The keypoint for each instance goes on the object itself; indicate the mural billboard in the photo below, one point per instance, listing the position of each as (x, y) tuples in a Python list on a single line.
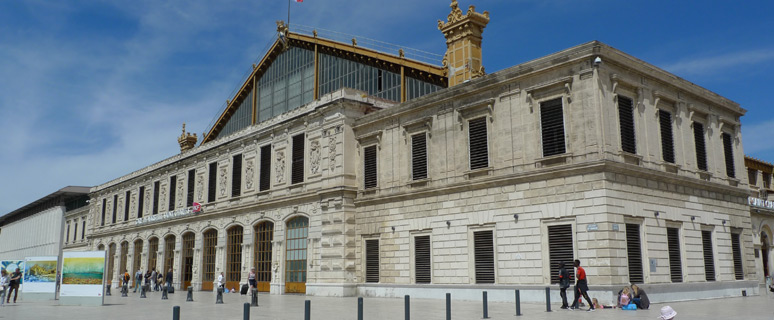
[(39, 275), (11, 265), (82, 274)]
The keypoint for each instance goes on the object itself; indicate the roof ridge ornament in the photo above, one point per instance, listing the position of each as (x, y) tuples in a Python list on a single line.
[(463, 37)]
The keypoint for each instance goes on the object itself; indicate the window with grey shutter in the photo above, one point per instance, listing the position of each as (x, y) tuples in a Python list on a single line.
[(477, 143), (552, 127), (369, 167), (212, 182), (675, 262), (83, 230), (140, 201), (709, 260), (766, 180), (265, 175), (191, 183), (419, 156), (752, 177), (297, 166), (104, 203), (560, 249), (736, 250), (667, 142), (483, 244), (372, 260), (155, 207), (172, 192), (126, 205), (728, 149), (626, 123), (115, 208), (422, 270), (236, 175), (701, 147), (634, 252)]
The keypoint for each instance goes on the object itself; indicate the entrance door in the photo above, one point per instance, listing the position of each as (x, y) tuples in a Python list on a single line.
[(208, 260), (765, 254), (234, 257), (188, 248), (295, 255), (264, 233)]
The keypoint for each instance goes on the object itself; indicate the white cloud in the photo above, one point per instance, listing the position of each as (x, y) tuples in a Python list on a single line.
[(719, 63), (757, 140)]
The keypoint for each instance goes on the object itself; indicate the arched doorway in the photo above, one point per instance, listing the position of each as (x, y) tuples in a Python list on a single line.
[(208, 259), (188, 260), (169, 254), (124, 257), (234, 236), (111, 262), (137, 257), (765, 253), (153, 250), (101, 247), (264, 234), (295, 255)]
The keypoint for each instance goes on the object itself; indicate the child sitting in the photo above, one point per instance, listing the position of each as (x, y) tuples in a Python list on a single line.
[(599, 306), (624, 298)]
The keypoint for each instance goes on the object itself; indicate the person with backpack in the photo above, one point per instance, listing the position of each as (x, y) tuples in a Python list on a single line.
[(564, 283), (127, 279)]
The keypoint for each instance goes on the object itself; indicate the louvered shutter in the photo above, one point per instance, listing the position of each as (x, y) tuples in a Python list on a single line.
[(560, 249), (479, 154), (634, 252), (422, 259), (484, 256), (709, 260), (419, 156), (675, 262), (626, 123), (369, 167), (552, 126), (156, 187), (728, 148), (667, 143), (737, 253), (172, 192), (236, 176), (265, 175), (212, 183), (701, 147), (372, 260), (191, 182), (297, 168)]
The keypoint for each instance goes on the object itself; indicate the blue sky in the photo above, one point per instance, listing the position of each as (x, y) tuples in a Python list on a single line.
[(93, 90)]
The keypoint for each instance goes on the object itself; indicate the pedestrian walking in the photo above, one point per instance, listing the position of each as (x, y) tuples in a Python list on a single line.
[(126, 279), (153, 279), (169, 279), (251, 279), (564, 283), (4, 281), (220, 280), (581, 287), (14, 285), (137, 279), (159, 281)]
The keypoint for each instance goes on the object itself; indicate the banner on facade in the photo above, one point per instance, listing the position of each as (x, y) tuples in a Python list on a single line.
[(10, 267), (40, 275), (179, 213), (83, 274)]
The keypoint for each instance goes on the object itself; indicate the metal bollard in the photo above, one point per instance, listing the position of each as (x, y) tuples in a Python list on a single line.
[(486, 307), (190, 295), (548, 299), (219, 297), (408, 307), (142, 292), (448, 306), (518, 303), (359, 308), (164, 293), (247, 311), (107, 290), (254, 298), (176, 313), (307, 310)]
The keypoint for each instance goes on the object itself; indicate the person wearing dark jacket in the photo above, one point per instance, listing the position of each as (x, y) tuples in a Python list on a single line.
[(169, 279), (564, 283), (640, 298)]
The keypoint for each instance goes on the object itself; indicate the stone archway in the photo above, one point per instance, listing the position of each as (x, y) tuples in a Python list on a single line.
[(765, 253)]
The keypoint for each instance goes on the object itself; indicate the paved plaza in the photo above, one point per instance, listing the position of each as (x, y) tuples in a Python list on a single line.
[(292, 307)]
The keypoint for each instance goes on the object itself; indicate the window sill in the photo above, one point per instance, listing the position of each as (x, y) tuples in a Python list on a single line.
[(369, 192), (487, 171), (705, 175), (734, 182), (419, 182), (554, 160), (631, 158), (670, 167)]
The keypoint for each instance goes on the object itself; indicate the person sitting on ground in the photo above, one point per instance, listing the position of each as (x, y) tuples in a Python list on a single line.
[(667, 313), (640, 298), (624, 298), (599, 306)]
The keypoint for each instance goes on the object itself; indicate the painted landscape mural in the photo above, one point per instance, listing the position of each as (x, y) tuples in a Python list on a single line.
[(83, 270), (40, 271)]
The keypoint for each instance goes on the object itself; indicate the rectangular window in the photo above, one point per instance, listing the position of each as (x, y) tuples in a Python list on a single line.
[(236, 176), (212, 182), (752, 177), (728, 149), (67, 237), (709, 260), (155, 207), (634, 252), (191, 183), (104, 204), (675, 262), (701, 147), (265, 177), (140, 201), (560, 249), (552, 127), (419, 156), (626, 123), (767, 180), (115, 207), (667, 143), (297, 169), (372, 260), (83, 230), (369, 167), (127, 197), (172, 192), (736, 250), (422, 259), (478, 144), (483, 246), (75, 231)]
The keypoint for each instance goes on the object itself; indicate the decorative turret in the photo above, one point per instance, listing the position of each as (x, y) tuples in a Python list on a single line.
[(462, 60), (186, 140)]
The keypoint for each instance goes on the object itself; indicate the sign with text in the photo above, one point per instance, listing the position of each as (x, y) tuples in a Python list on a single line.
[(760, 203), (179, 213)]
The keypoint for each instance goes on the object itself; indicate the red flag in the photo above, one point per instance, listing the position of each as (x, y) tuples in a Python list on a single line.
[(299, 0)]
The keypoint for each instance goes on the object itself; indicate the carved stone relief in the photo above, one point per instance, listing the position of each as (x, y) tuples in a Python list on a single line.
[(249, 174), (199, 189), (280, 167), (332, 152), (180, 194), (223, 172), (314, 156)]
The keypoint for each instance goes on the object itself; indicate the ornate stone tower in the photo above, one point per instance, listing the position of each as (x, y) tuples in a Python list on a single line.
[(463, 43), (186, 140)]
